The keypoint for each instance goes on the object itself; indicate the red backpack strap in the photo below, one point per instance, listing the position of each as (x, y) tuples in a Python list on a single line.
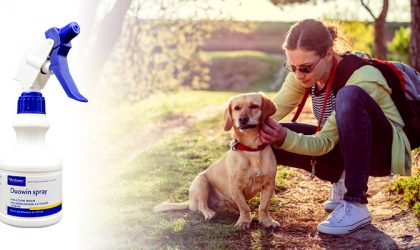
[(301, 105)]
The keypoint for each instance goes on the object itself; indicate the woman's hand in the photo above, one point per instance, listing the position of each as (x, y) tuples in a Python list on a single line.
[(272, 132)]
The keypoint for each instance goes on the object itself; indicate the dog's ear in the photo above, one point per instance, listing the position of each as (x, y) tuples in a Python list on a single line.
[(268, 108), (228, 118)]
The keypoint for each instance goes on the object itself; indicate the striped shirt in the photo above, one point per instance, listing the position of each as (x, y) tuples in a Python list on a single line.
[(318, 101)]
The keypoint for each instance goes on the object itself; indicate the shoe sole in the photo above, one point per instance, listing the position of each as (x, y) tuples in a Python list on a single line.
[(343, 230), (361, 225)]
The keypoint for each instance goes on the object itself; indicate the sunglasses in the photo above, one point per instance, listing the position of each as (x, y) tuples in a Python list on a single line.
[(303, 69)]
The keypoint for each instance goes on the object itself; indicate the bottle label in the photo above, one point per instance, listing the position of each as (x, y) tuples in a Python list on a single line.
[(29, 195)]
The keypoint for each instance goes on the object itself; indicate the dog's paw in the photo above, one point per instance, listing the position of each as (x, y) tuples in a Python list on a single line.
[(269, 222), (243, 224), (208, 214)]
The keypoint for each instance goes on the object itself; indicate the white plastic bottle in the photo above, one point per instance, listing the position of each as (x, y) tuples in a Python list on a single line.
[(31, 175)]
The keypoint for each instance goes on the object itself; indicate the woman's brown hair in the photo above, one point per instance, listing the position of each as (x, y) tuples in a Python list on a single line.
[(314, 35)]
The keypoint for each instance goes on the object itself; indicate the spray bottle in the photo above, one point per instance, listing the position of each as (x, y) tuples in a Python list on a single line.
[(31, 175)]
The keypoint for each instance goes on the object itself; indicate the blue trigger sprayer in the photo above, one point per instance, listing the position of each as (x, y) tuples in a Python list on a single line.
[(31, 175)]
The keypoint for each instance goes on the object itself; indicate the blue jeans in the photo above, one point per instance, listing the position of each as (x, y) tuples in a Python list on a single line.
[(364, 148)]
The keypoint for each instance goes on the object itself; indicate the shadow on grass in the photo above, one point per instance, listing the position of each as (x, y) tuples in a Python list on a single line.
[(219, 233)]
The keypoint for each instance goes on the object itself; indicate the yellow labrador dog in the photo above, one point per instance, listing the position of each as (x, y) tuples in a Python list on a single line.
[(246, 169)]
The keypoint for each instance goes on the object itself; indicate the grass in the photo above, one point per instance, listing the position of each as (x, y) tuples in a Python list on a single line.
[(214, 55), (125, 118), (409, 187), (162, 106), (165, 169)]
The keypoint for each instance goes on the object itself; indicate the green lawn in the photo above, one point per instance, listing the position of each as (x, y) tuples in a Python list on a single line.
[(166, 169), (127, 117)]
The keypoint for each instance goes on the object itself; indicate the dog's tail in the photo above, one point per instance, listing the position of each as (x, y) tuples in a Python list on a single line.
[(170, 206)]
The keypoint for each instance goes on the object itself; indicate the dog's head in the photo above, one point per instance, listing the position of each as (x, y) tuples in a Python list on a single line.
[(248, 111)]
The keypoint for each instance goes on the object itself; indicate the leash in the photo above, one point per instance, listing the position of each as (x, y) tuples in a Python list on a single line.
[(301, 105)]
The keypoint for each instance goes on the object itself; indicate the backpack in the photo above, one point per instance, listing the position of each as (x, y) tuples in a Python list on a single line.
[(401, 78)]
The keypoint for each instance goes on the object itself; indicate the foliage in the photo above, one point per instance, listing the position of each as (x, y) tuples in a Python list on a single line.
[(242, 70), (360, 35), (400, 45), (409, 187), (167, 55), (161, 55)]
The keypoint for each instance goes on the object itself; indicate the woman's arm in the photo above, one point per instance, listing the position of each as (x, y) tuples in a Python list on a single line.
[(370, 80), (288, 97)]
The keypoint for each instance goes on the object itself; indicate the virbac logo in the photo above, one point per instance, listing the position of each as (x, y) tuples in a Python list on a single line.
[(16, 180)]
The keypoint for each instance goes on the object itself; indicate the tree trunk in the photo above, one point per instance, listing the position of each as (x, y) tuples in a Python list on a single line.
[(87, 19), (109, 31), (415, 35), (380, 49), (379, 24)]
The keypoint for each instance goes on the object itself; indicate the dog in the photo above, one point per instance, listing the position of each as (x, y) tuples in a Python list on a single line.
[(246, 169)]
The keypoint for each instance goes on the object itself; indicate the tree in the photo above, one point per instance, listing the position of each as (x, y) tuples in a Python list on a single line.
[(102, 43), (400, 45), (87, 19), (415, 35), (379, 24), (132, 55)]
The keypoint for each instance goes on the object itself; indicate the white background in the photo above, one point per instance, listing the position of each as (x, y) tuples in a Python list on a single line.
[(22, 24)]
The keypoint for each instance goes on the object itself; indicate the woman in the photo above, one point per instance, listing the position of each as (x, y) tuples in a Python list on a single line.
[(360, 128)]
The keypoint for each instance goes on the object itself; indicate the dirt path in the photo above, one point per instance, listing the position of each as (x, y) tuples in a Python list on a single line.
[(393, 227)]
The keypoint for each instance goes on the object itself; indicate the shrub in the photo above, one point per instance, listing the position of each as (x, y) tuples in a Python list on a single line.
[(360, 35), (399, 46), (409, 188)]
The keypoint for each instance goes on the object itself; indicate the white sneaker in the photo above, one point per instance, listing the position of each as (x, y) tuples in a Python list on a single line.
[(337, 192), (346, 218)]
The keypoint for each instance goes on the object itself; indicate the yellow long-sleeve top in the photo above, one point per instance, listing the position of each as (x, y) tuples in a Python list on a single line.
[(369, 79)]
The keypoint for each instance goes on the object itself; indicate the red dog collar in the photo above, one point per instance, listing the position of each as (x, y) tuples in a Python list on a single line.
[(238, 146)]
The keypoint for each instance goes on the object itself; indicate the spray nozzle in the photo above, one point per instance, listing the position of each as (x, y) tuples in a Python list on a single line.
[(68, 32), (46, 58), (50, 57), (58, 58)]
